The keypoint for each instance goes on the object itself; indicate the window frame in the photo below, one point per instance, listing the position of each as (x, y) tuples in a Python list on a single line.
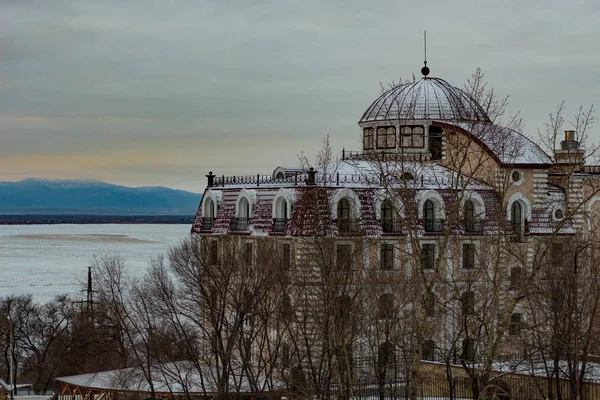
[(386, 257), (468, 255), (428, 256)]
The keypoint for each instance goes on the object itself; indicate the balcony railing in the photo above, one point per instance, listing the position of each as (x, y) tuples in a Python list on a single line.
[(391, 225), (207, 223), (473, 225), (433, 225), (279, 224), (239, 224), (348, 225)]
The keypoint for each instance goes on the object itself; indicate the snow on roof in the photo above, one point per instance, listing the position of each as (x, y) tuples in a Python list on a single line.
[(177, 377), (427, 98), (510, 146)]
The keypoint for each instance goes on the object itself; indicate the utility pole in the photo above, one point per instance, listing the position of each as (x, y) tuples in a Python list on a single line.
[(11, 344)]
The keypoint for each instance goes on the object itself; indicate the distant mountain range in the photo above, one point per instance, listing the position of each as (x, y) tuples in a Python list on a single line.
[(78, 196)]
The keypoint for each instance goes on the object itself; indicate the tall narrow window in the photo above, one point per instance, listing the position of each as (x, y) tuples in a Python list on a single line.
[(386, 257), (428, 350), (516, 218), (430, 304), (286, 257), (248, 255), (214, 252), (429, 217), (427, 255), (468, 255), (468, 350), (468, 303), (387, 216), (343, 256), (209, 214), (514, 328), (285, 355), (281, 215), (515, 278), (386, 354), (343, 215), (386, 306), (469, 216), (368, 134)]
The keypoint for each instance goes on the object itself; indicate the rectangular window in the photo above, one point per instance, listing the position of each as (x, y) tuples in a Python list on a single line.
[(286, 261), (557, 255), (214, 252), (430, 304), (468, 255), (248, 256), (368, 135), (386, 137), (468, 303), (343, 256), (427, 256), (386, 257), (412, 136), (515, 278), (514, 328)]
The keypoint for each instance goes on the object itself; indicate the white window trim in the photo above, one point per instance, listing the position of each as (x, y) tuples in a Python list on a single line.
[(476, 259), (215, 197), (438, 203), (518, 196), (249, 195), (478, 204), (285, 194), (521, 177), (353, 200)]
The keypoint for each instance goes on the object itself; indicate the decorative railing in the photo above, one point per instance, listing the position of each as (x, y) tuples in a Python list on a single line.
[(433, 225), (334, 179), (473, 225), (239, 224), (348, 225), (382, 155), (207, 223), (279, 224), (391, 225)]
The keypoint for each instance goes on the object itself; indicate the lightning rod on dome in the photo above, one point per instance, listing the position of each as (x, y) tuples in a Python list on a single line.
[(425, 69)]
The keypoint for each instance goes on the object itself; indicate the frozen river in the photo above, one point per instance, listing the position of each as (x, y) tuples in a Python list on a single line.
[(46, 260)]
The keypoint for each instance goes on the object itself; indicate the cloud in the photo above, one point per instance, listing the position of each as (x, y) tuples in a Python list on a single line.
[(87, 77)]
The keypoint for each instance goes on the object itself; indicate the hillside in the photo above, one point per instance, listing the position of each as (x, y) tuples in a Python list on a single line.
[(57, 196)]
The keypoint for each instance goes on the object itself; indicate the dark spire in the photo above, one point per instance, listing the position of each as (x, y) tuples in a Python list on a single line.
[(425, 69)]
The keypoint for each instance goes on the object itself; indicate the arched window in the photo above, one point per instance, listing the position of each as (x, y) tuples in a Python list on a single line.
[(469, 216), (387, 216), (281, 214), (431, 224), (386, 306), (516, 218), (343, 216), (209, 214), (242, 222), (280, 175), (244, 208)]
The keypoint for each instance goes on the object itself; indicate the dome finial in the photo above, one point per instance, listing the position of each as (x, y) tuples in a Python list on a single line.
[(425, 69)]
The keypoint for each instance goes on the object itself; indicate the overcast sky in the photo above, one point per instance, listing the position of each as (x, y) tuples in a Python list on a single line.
[(160, 92)]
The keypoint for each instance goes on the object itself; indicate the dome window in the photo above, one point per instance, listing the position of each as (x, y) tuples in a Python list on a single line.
[(412, 136), (368, 136), (386, 137)]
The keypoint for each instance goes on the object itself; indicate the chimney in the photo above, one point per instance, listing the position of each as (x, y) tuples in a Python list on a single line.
[(569, 144)]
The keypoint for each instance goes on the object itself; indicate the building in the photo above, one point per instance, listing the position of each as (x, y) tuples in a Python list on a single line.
[(445, 238)]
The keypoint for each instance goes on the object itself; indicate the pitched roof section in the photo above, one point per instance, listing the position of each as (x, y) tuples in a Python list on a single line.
[(507, 146), (427, 98)]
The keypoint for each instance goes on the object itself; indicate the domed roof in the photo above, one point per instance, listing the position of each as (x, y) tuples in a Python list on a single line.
[(427, 98)]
